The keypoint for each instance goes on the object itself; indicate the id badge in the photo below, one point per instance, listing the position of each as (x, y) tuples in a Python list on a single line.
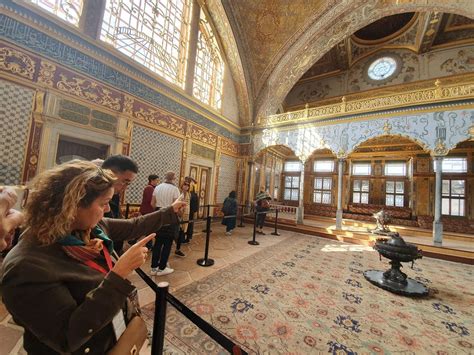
[(119, 324)]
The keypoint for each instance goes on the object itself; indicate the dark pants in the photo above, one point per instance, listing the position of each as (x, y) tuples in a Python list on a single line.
[(181, 238), (261, 216), (189, 232), (162, 247), (229, 223)]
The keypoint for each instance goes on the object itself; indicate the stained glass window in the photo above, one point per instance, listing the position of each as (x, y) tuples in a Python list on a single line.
[(154, 33), (209, 69), (382, 68), (68, 10)]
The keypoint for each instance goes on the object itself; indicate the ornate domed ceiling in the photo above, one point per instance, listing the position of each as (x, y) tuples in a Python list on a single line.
[(271, 44), (420, 33)]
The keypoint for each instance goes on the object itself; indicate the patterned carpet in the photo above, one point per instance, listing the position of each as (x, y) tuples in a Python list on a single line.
[(309, 296)]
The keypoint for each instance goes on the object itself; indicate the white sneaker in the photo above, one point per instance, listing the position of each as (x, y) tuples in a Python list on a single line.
[(153, 271), (166, 271), (228, 233)]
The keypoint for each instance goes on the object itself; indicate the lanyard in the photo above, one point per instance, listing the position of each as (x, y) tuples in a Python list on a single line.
[(99, 268)]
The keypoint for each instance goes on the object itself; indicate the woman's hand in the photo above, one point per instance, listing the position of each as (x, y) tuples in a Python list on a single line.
[(133, 258), (178, 205)]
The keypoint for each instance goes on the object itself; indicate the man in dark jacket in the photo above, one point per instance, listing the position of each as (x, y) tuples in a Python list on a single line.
[(125, 169)]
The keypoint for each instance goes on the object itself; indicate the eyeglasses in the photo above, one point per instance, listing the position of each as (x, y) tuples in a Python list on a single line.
[(185, 184)]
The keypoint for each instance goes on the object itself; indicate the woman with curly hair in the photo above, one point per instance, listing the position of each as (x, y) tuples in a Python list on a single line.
[(59, 282)]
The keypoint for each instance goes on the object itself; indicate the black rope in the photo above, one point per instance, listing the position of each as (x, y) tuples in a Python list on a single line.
[(207, 328)]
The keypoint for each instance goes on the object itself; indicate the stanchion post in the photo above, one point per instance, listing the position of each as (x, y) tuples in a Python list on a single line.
[(242, 217), (158, 339), (206, 261), (253, 241), (208, 227), (127, 210), (276, 222)]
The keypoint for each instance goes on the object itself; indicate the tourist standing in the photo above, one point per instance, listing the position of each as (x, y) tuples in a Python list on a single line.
[(164, 195), (229, 208)]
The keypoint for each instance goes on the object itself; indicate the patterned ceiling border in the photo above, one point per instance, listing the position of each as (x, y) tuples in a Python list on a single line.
[(323, 35), (73, 56)]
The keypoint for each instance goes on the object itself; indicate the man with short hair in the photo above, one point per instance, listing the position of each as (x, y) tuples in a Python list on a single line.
[(164, 195), (125, 169)]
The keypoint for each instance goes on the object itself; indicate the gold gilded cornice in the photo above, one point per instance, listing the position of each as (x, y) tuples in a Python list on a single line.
[(453, 90)]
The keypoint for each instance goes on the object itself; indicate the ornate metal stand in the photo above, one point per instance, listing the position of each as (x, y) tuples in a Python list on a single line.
[(394, 280)]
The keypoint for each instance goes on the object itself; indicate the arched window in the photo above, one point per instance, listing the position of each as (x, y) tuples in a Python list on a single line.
[(154, 33), (209, 69), (67, 10)]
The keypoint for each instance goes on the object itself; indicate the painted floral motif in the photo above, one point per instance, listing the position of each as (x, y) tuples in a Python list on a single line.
[(282, 330), (263, 289), (337, 348), (278, 273), (352, 298), (455, 328), (354, 283), (289, 264), (443, 308), (348, 323), (246, 332), (310, 341), (241, 306)]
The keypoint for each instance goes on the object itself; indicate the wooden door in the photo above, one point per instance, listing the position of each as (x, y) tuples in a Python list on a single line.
[(202, 175)]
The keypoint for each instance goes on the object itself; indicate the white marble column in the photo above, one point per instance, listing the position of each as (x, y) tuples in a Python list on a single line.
[(300, 216), (437, 224), (340, 174)]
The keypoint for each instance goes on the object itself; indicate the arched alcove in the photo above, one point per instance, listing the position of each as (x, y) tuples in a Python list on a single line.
[(268, 169)]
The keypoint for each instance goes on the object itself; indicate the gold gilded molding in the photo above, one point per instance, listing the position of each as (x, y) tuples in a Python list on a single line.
[(157, 118), (203, 136), (17, 63), (229, 147), (46, 73), (128, 105), (439, 92), (88, 90)]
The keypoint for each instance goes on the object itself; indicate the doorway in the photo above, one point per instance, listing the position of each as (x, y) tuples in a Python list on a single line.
[(202, 175)]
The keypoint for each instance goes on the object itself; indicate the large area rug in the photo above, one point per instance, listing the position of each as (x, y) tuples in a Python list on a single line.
[(307, 295)]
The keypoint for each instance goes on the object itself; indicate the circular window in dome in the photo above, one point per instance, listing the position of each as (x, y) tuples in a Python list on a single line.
[(382, 68)]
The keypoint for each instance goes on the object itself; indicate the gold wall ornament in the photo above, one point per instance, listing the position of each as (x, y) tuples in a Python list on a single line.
[(46, 73), (39, 102), (88, 90), (341, 154), (440, 148), (128, 105), (229, 147), (17, 63), (203, 136), (434, 94), (156, 117), (387, 127)]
